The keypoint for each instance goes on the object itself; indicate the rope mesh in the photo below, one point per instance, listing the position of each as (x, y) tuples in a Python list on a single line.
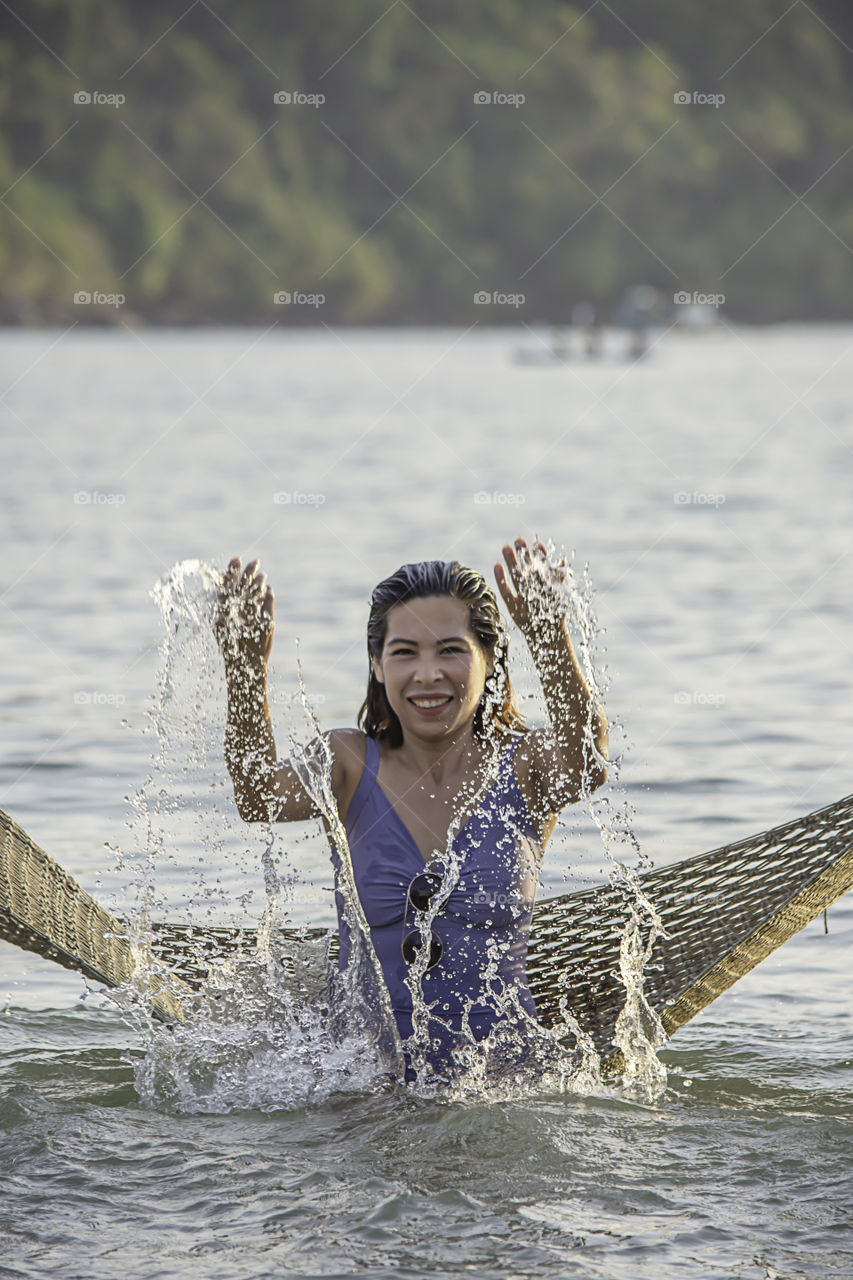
[(43, 909), (722, 912)]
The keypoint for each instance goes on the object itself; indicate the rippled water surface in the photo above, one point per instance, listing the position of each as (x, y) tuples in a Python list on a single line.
[(708, 490)]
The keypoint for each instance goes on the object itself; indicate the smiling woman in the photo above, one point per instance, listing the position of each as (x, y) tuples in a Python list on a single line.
[(446, 797)]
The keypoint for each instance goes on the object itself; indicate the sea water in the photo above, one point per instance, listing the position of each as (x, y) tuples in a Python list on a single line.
[(708, 490)]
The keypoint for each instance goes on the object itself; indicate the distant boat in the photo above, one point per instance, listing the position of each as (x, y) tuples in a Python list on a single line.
[(559, 347)]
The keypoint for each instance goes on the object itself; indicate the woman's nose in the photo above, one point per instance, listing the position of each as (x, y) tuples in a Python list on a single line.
[(428, 671)]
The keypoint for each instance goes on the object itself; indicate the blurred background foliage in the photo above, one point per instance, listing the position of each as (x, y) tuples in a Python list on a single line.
[(399, 197)]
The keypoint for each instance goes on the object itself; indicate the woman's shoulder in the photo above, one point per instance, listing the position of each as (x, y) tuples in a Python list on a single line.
[(348, 748), (349, 754), (517, 744)]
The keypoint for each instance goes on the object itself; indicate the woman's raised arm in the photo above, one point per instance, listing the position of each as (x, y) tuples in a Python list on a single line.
[(265, 791), (570, 761)]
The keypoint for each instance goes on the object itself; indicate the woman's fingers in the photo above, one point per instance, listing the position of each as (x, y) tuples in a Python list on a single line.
[(513, 599), (520, 559), (517, 556), (243, 616), (559, 568), (512, 553), (246, 587), (503, 585), (257, 586), (229, 577)]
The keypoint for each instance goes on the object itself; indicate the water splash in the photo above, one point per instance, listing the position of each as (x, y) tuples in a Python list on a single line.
[(358, 996), (567, 597), (256, 1040), (260, 1033), (256, 1037)]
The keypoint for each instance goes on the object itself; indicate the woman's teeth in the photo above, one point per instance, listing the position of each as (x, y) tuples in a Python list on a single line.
[(430, 702)]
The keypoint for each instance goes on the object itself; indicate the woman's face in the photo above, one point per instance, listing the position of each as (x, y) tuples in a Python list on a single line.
[(432, 666)]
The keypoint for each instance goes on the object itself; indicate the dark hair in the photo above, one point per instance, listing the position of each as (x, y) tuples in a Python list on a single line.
[(440, 578)]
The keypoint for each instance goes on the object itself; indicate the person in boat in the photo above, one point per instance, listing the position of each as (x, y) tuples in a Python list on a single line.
[(446, 796)]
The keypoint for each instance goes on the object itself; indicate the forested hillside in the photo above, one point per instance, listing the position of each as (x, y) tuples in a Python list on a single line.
[(144, 155)]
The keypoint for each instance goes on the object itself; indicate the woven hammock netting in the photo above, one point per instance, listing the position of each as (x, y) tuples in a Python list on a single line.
[(722, 912)]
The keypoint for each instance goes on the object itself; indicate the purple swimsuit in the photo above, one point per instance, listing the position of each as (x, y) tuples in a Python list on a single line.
[(484, 924)]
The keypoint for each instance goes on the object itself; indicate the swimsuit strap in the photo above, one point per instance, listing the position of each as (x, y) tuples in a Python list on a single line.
[(371, 760)]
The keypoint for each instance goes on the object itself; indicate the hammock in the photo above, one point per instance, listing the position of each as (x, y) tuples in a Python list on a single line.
[(722, 912)]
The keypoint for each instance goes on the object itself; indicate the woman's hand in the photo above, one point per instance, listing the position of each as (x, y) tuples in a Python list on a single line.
[(243, 619), (537, 594)]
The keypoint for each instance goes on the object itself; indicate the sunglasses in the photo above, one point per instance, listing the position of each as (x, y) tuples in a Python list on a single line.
[(420, 894)]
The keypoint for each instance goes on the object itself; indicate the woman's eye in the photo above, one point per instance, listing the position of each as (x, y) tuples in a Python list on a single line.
[(404, 653)]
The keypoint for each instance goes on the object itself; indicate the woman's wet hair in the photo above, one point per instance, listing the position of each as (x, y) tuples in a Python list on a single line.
[(497, 709)]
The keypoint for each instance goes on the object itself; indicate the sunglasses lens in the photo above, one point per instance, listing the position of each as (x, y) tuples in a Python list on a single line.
[(412, 944), (423, 888)]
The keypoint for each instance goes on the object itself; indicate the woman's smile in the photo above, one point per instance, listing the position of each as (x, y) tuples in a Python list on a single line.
[(430, 705)]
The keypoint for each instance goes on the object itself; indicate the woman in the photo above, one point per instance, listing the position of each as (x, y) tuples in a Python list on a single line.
[(446, 797)]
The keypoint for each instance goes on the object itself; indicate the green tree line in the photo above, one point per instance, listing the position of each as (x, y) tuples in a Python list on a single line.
[(689, 146)]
